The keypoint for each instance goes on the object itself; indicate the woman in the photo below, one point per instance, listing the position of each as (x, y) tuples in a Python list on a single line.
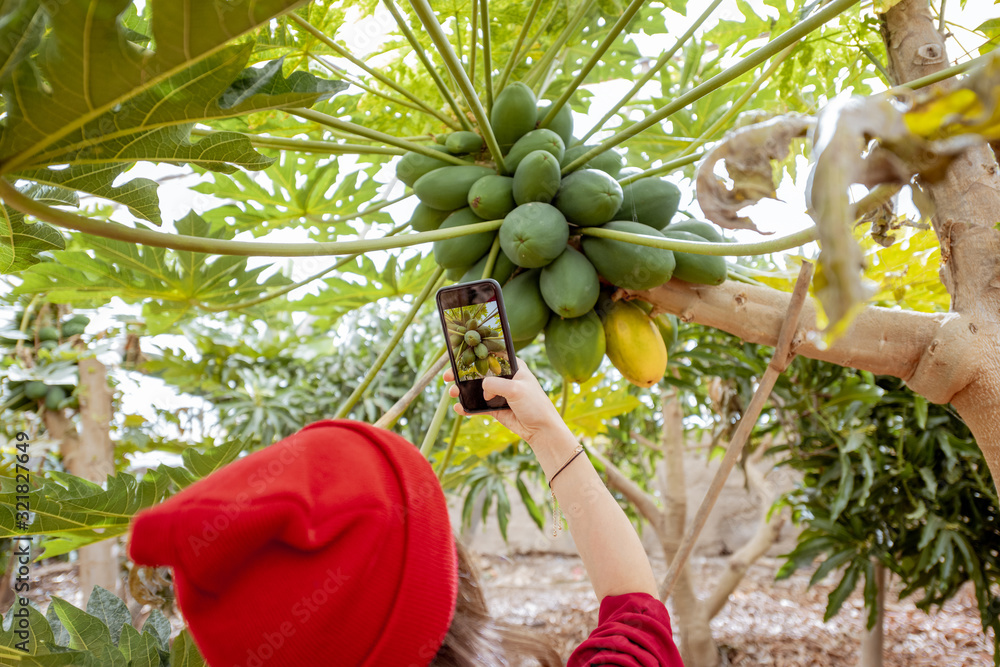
[(334, 547)]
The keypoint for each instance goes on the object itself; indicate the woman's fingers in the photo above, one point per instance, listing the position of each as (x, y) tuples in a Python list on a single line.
[(449, 375), (453, 391)]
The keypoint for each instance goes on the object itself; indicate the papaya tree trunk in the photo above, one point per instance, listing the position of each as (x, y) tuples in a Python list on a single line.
[(872, 642)]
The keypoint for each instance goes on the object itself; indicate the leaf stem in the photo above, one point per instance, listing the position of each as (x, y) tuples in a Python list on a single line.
[(565, 398), (418, 48), (946, 73), (697, 248), (451, 446), (435, 426), (657, 66), (375, 135), (431, 25), (664, 168), (114, 230), (475, 26), (418, 301), (294, 286), (595, 58), (765, 52), (344, 53), (515, 52), (734, 109), (537, 73), (492, 259), (487, 56), (306, 146)]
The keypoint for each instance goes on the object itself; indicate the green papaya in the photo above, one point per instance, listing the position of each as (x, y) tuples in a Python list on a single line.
[(73, 329), (427, 219), (537, 178), (463, 142), (562, 124), (472, 338), (700, 269), (35, 390), (589, 197), (462, 252), (575, 346), (494, 344), (48, 333), (513, 114), (626, 264), (468, 358), (456, 273), (536, 140), (482, 366), (53, 397), (705, 230), (79, 319), (532, 235), (447, 188), (413, 165), (441, 139), (455, 340), (651, 201), (481, 351), (610, 162), (472, 324), (527, 313), (503, 269), (492, 197), (569, 284), (49, 345)]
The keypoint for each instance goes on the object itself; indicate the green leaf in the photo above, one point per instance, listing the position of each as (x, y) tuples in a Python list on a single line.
[(86, 632), (842, 591), (158, 627), (138, 194), (110, 610), (38, 631), (533, 509), (832, 563), (138, 649), (184, 652), (920, 410), (21, 242), (202, 464)]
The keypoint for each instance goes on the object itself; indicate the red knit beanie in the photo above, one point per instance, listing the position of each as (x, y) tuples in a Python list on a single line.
[(331, 547)]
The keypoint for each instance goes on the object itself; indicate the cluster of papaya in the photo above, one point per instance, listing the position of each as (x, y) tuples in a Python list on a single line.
[(552, 275), (479, 348), (28, 394)]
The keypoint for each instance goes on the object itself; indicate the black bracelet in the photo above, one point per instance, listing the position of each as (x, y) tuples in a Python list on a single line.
[(579, 450)]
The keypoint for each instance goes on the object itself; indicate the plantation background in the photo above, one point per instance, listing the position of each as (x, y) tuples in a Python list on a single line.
[(208, 356)]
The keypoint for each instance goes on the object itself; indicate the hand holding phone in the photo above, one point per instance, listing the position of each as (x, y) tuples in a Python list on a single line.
[(478, 340)]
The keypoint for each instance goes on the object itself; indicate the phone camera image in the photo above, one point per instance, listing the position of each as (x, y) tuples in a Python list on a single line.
[(475, 336)]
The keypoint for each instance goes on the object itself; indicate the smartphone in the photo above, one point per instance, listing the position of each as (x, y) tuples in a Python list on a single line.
[(478, 340)]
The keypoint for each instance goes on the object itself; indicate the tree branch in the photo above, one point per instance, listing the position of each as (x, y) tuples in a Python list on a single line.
[(644, 502)]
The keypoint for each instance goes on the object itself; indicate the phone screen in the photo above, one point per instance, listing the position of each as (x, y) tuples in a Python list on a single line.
[(478, 340)]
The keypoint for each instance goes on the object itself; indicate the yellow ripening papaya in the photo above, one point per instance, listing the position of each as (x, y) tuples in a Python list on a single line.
[(634, 344)]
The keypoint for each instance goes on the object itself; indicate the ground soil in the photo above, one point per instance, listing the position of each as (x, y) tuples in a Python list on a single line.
[(771, 623), (777, 624)]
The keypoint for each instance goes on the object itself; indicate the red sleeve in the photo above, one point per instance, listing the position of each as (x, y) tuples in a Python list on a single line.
[(633, 630)]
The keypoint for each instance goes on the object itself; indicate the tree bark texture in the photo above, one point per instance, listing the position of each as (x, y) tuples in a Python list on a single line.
[(949, 357), (873, 640)]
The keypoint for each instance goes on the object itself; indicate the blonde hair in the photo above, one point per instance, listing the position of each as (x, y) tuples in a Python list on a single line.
[(476, 639)]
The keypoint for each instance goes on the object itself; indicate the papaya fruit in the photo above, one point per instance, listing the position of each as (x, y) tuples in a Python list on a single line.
[(468, 358), (427, 219), (532, 235), (626, 264), (36, 390), (462, 252), (527, 313), (79, 319), (492, 197), (472, 324), (458, 143), (536, 140), (513, 114), (53, 397), (482, 366), (588, 197), (456, 272), (494, 365), (700, 269), (575, 346), (49, 345), (503, 269), (651, 201), (481, 351), (537, 178), (494, 344), (634, 344), (414, 165), (447, 188), (562, 124), (73, 329), (610, 162), (705, 230), (441, 138), (48, 333), (472, 338), (569, 284)]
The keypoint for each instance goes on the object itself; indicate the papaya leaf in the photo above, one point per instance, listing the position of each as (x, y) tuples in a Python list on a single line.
[(158, 627), (38, 631), (21, 26), (138, 194), (20, 242), (138, 649), (86, 632), (184, 652), (110, 610)]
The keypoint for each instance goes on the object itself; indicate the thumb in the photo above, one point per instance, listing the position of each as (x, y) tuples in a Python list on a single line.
[(496, 386)]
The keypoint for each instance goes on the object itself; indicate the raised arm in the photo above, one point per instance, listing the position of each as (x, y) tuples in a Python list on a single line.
[(608, 544)]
